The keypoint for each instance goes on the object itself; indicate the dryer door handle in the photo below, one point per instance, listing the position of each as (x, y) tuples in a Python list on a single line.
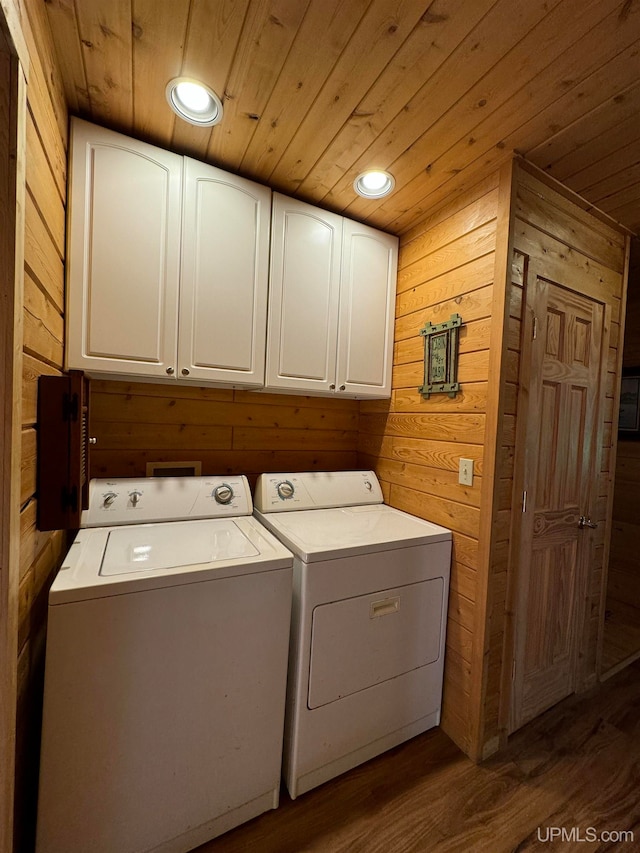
[(384, 607)]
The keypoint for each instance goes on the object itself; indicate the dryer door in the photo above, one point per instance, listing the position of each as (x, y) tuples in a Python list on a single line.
[(362, 641)]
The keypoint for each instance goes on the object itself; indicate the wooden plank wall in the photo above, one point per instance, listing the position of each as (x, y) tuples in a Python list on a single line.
[(12, 154), (446, 266), (498, 616), (573, 244), (40, 553), (623, 585), (229, 432)]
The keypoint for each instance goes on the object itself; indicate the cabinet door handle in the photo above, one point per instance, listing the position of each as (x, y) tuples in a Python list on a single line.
[(342, 387), (169, 370), (332, 387), (185, 371)]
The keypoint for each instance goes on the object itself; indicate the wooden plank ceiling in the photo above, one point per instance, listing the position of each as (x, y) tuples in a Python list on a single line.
[(316, 91)]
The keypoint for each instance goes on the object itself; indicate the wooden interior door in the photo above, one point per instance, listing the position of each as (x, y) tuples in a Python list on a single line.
[(562, 351)]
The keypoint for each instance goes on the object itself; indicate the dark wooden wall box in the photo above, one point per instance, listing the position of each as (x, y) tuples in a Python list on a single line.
[(63, 463)]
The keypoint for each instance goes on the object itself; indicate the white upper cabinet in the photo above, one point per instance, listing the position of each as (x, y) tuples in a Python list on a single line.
[(123, 254), (306, 246), (367, 311), (168, 264), (180, 271), (331, 303), (225, 274)]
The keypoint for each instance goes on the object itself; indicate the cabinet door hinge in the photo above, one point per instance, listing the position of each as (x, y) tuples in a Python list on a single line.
[(69, 407), (524, 501), (534, 333), (69, 498)]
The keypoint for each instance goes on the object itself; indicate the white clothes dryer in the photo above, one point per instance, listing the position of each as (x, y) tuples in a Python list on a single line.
[(370, 592), (165, 670)]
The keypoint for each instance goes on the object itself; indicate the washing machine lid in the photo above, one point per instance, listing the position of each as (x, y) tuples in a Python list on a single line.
[(327, 534), (124, 559), (149, 547)]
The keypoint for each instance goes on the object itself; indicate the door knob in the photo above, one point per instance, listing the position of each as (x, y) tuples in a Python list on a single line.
[(586, 522)]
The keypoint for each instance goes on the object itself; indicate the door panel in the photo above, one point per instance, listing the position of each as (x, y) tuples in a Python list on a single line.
[(306, 245), (367, 301), (225, 270), (124, 254), (550, 570), (561, 368)]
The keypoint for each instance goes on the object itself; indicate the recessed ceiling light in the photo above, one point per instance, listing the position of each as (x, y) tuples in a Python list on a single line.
[(193, 101), (374, 184)]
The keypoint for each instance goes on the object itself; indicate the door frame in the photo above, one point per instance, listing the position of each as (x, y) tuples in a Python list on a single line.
[(612, 464), (13, 92), (524, 470), (594, 289)]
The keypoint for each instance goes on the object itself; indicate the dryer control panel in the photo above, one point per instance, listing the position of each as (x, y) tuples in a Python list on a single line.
[(136, 501), (316, 490)]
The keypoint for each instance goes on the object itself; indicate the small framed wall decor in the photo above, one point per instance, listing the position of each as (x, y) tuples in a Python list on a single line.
[(629, 418), (441, 357)]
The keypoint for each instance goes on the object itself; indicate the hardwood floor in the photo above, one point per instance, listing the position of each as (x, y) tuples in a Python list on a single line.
[(578, 765), (621, 635)]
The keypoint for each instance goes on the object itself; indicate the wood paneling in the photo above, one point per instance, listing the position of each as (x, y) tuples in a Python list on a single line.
[(32, 368), (315, 91), (43, 324), (234, 432), (107, 48), (12, 169), (415, 444), (499, 614), (44, 188), (43, 329), (621, 641)]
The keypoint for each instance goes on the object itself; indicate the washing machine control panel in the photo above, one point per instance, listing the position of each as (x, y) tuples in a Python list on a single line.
[(136, 501), (316, 490)]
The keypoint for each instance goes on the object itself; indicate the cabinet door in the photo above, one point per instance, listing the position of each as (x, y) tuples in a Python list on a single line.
[(124, 254), (367, 308), (303, 296), (225, 277)]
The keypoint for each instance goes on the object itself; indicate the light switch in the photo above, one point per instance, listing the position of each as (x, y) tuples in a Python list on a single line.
[(465, 472)]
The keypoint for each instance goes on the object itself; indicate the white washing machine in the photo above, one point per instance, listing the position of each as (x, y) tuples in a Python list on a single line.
[(370, 591), (165, 670)]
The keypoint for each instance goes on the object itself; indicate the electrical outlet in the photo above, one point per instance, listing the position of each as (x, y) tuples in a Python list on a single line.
[(465, 472)]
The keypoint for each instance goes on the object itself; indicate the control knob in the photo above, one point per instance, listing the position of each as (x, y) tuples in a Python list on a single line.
[(223, 493), (108, 499), (285, 490), (134, 497)]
